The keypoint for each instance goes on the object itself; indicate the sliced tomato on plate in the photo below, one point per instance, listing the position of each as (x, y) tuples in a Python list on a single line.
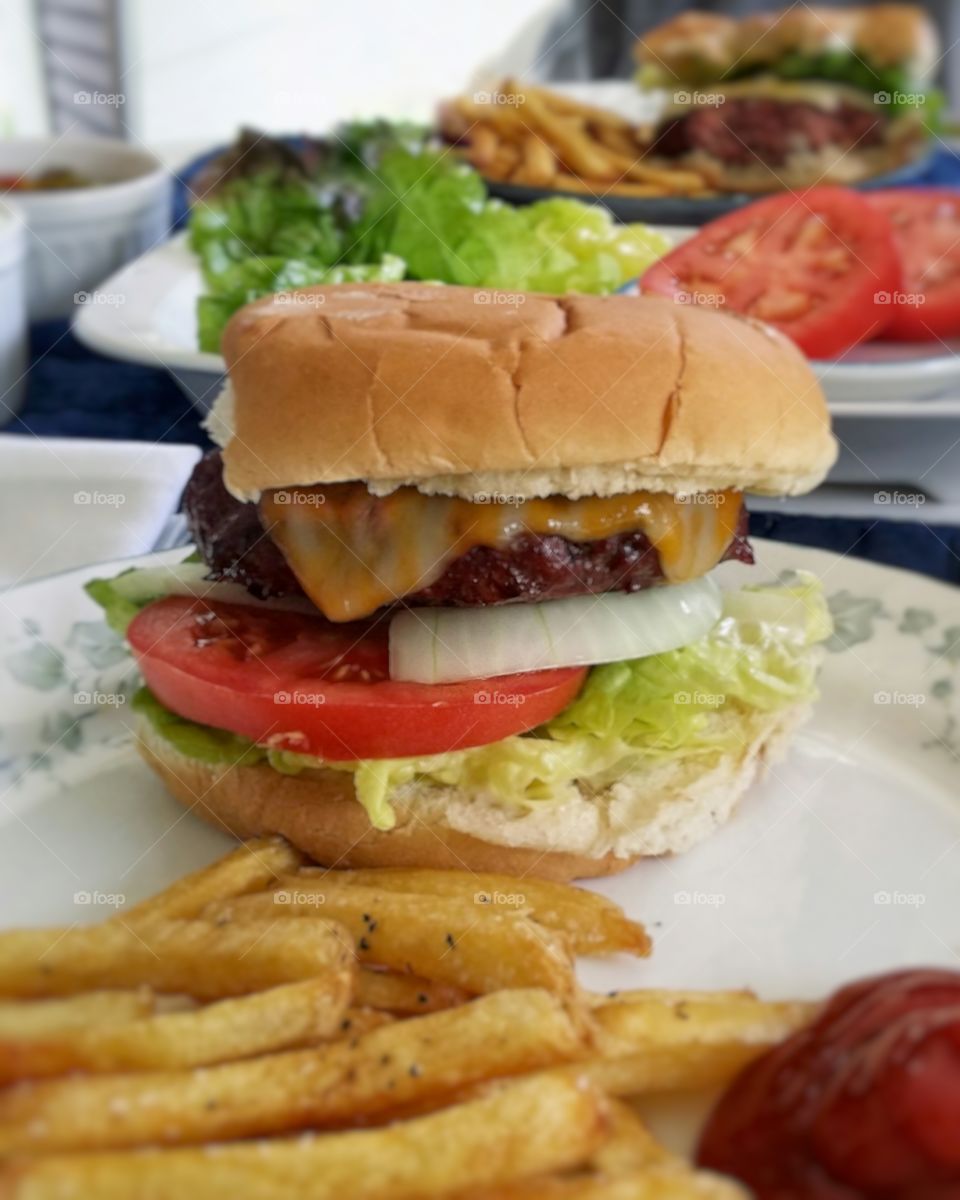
[(817, 264), (926, 226), (298, 682)]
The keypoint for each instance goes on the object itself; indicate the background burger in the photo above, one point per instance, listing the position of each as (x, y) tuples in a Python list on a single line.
[(454, 604), (793, 98)]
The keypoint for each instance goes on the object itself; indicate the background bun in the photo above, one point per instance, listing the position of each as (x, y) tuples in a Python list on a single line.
[(409, 382), (883, 35)]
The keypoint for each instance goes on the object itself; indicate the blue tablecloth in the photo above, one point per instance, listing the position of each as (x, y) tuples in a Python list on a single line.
[(73, 392)]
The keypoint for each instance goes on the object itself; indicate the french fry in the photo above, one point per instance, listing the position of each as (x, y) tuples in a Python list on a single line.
[(639, 1018), (415, 1063), (192, 957), (675, 179), (484, 143), (672, 1181), (358, 1021), (522, 1130), (506, 120), (668, 1068), (295, 1014), (630, 1146), (537, 165), (616, 139), (392, 992), (580, 153), (593, 924), (452, 941), (253, 866), (22, 1019)]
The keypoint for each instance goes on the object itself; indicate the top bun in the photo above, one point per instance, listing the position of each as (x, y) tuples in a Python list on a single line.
[(463, 391), (699, 44)]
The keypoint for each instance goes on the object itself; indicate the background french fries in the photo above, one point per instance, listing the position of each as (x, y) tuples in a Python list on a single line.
[(592, 924), (459, 943), (203, 1016), (293, 1015), (560, 143), (521, 1130), (250, 868), (195, 958), (419, 1062)]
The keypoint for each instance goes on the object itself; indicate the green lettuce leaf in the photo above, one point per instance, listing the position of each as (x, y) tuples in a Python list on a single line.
[(760, 657), (386, 206)]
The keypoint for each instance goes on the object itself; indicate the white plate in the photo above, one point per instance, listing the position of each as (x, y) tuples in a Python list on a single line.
[(845, 860), (146, 313)]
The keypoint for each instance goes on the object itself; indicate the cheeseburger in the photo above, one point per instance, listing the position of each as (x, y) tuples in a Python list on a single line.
[(788, 99), (452, 601)]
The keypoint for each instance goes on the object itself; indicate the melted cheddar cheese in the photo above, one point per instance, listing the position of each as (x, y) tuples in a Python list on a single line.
[(354, 552)]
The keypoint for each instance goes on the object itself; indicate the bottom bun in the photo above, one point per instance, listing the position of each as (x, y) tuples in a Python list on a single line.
[(663, 810)]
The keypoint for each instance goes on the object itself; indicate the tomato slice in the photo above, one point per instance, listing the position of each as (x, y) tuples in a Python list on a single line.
[(816, 264), (297, 682), (926, 228)]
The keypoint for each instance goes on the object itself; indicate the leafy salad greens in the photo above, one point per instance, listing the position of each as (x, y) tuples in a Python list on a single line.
[(384, 204), (691, 702)]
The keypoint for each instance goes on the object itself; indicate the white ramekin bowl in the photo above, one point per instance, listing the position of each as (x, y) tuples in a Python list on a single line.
[(13, 313), (79, 236)]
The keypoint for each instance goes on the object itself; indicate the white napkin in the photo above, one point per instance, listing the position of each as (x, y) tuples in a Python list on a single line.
[(67, 502)]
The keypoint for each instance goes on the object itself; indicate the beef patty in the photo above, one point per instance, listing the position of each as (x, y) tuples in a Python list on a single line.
[(740, 131), (235, 546)]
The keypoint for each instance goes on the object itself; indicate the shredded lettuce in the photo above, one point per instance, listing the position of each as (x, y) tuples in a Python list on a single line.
[(690, 703)]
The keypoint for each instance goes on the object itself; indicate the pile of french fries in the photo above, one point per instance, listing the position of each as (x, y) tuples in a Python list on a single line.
[(266, 1029), (530, 135)]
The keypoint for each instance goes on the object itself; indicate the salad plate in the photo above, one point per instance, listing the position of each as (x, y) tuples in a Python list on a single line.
[(843, 861)]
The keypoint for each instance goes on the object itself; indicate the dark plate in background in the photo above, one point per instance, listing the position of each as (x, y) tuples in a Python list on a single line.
[(689, 210)]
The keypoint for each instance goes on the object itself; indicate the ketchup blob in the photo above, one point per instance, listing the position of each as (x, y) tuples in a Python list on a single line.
[(863, 1102)]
